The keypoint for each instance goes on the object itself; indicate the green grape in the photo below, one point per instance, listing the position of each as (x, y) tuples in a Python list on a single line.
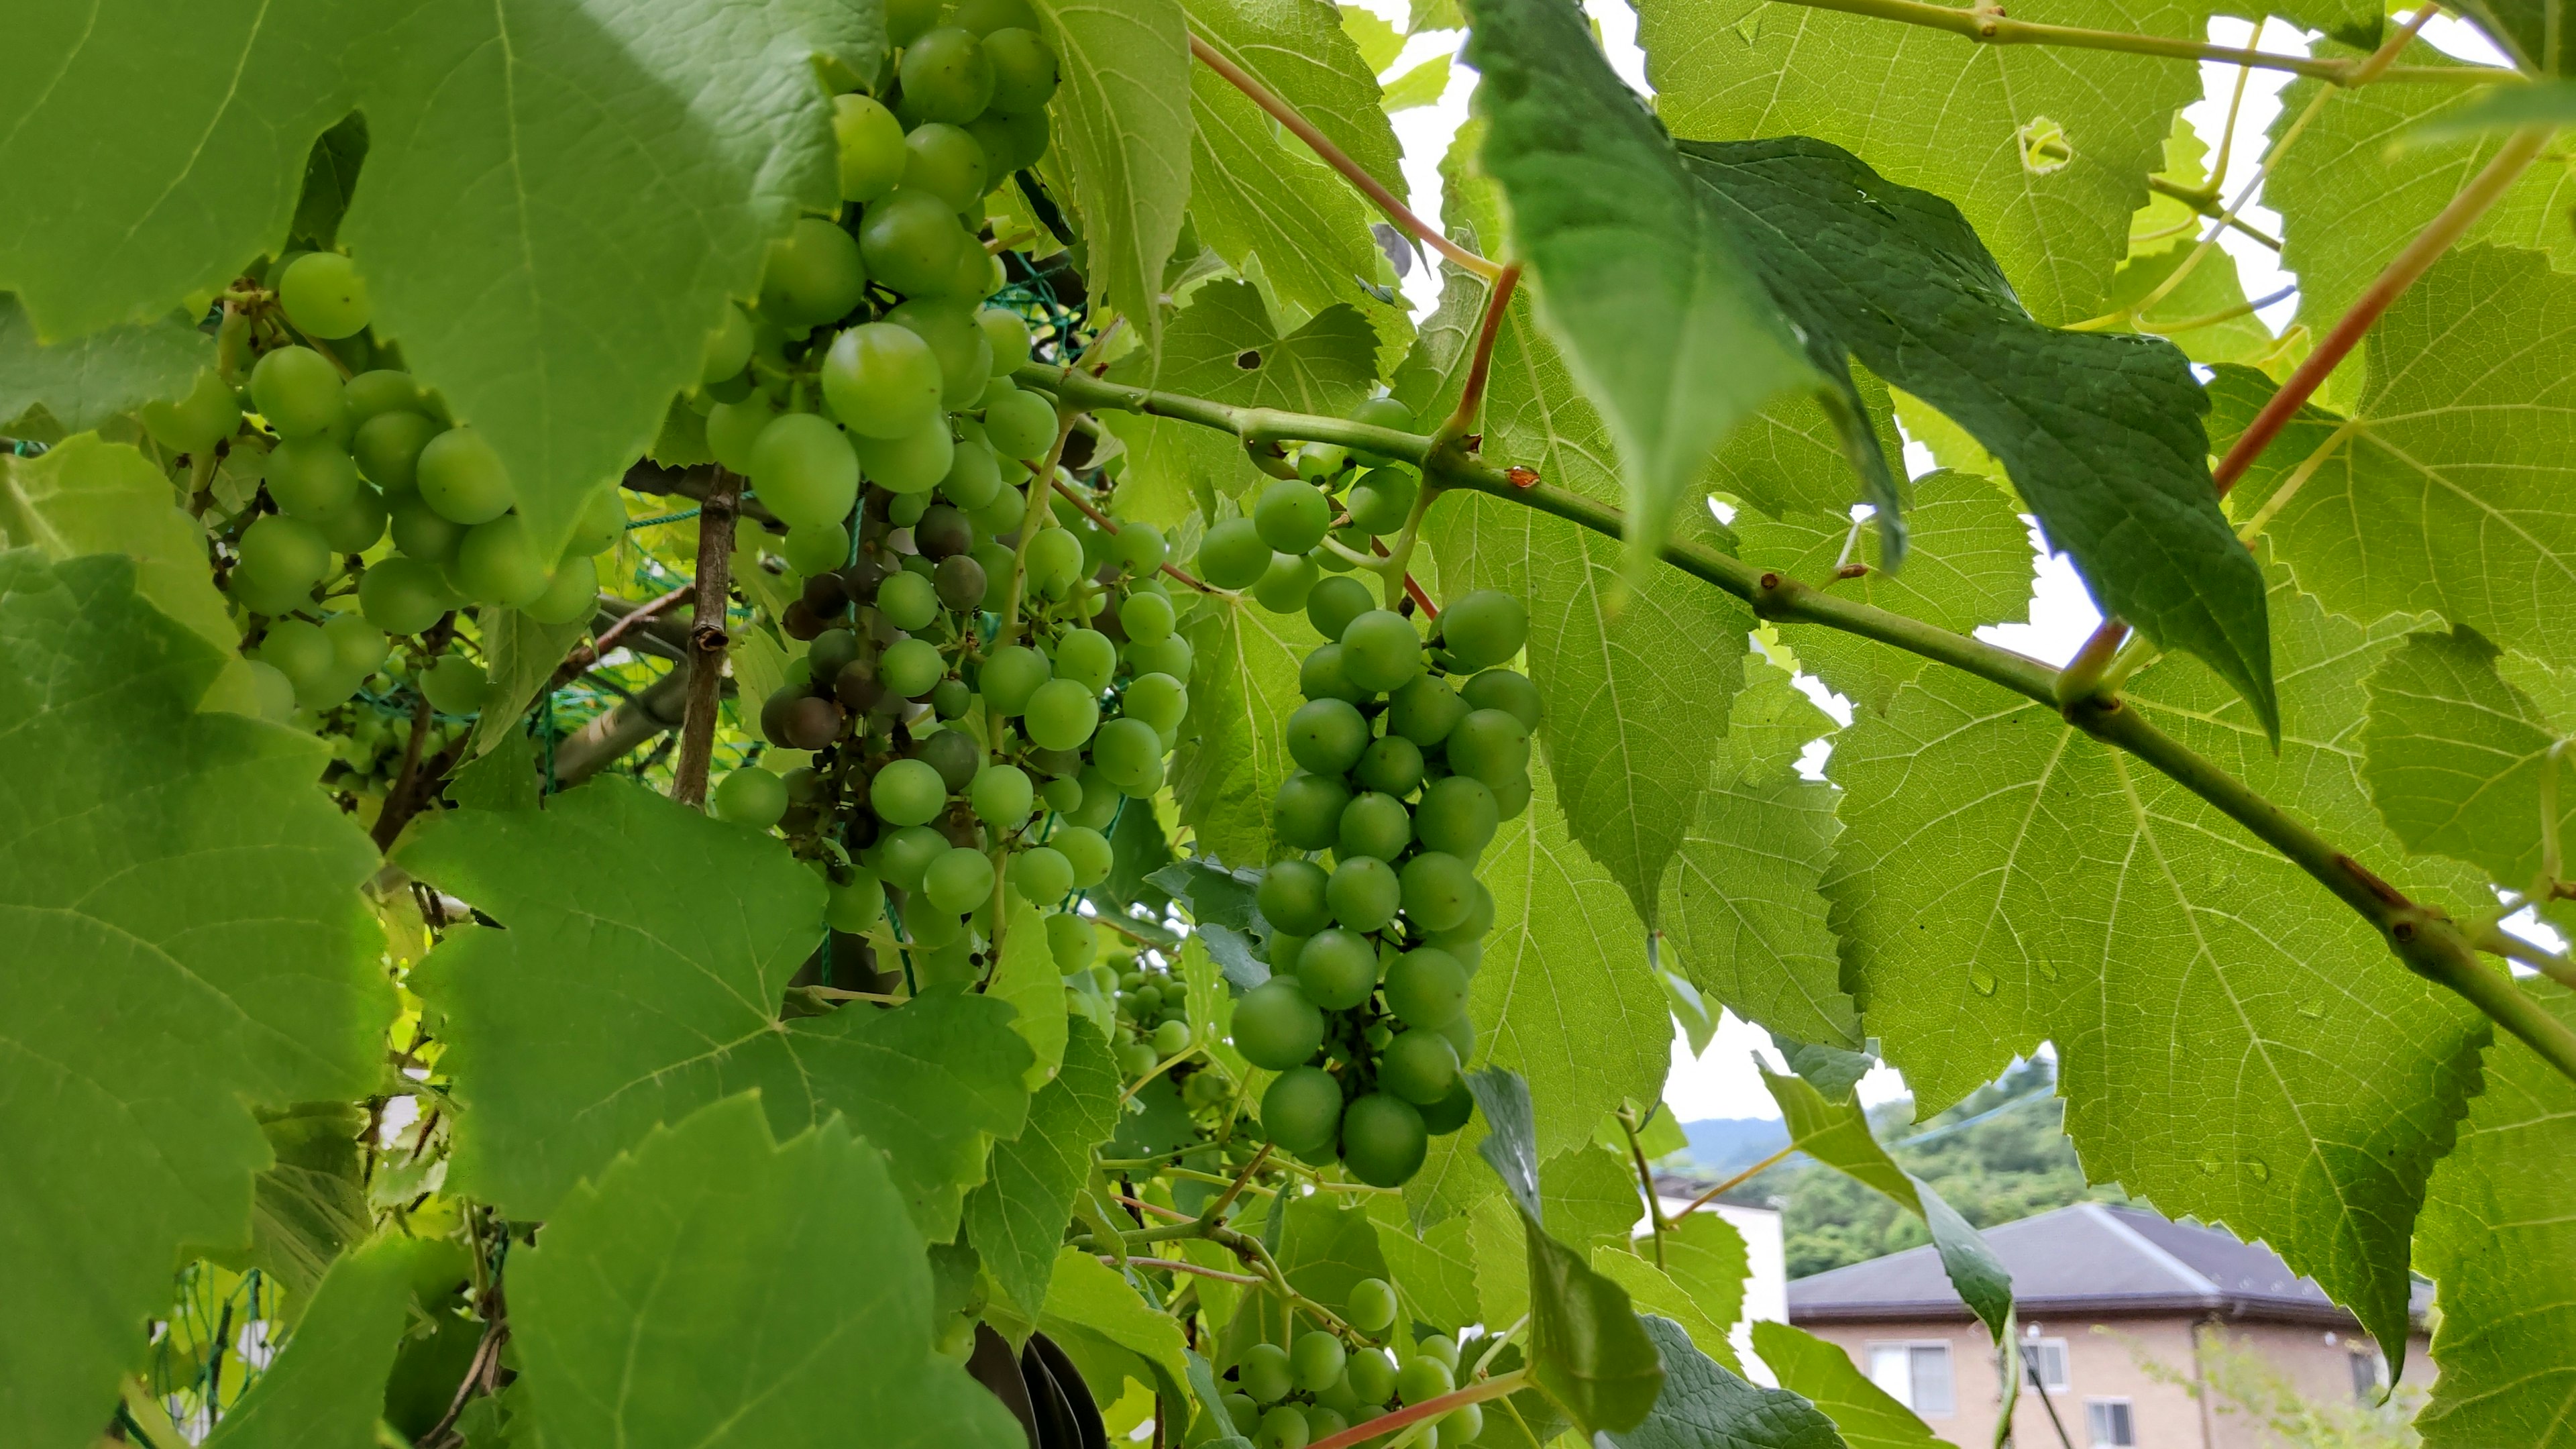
[(728, 348), (287, 550), (1320, 676), (572, 592), (1457, 817), (299, 392), (959, 881), (1316, 1360), (1130, 755), (1276, 1027), (387, 448), (750, 796), (207, 415), (324, 296), (1012, 141), (1324, 1420), (1373, 825), (1381, 412), (1302, 1111), (1292, 516), (1440, 1347), (831, 651), (908, 601), (1283, 587), (1001, 796), (946, 76), (961, 583), (904, 857), (1380, 651), (1439, 890), (855, 904), (1319, 462), (355, 526), (1382, 499), (301, 652), (421, 532), (1426, 987), (602, 524), (950, 698), (906, 20), (1007, 335), (1364, 893), (903, 511), (912, 464), (402, 595), (986, 16), (1004, 514), (974, 479), (1054, 562), (1234, 555), (1485, 627), (871, 144), (912, 241), (1307, 812), (1160, 656), (1146, 617), (1011, 675), (939, 930), (1419, 1066), (1335, 602), (1337, 969), (1061, 715), (1021, 425), (907, 792), (1391, 765), (1283, 1427), (1264, 1373), (1327, 735), (816, 548), (910, 667), (979, 273), (815, 274), (1451, 1112), (1490, 746), (1161, 701), (498, 563), (945, 161), (1041, 875), (1424, 1377), (1088, 852), (357, 648), (1171, 1038), (733, 428), (965, 358), (1025, 73), (1370, 1307), (1143, 549), (453, 685), (805, 470), (1507, 690), (1383, 1140), (462, 476), (1061, 795), (1285, 952), (1086, 657), (1291, 897), (311, 478), (1461, 1426), (371, 395), (1425, 710)]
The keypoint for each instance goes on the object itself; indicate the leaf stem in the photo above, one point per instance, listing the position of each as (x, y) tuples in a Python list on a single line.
[(2204, 204), (1645, 1179), (1498, 301), (1110, 527), (1738, 1180), (1433, 1408)]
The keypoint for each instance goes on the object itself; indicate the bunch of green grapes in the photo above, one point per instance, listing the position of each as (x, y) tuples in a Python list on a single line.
[(1410, 754), (1280, 554), (1318, 1385)]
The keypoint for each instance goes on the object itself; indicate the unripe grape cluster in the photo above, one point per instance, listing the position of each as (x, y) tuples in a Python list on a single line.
[(1285, 1397), (1279, 552)]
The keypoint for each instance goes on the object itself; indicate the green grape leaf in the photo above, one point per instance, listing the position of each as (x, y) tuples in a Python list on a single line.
[(1123, 128), (2456, 757), (1016, 1219), (87, 496), (1436, 1269), (1378, 43), (2527, 31), (328, 1385), (520, 655), (1700, 1284), (2045, 149), (186, 944), (312, 1203), (2235, 1044), (2500, 108), (2371, 170), (330, 179), (89, 379), (2101, 433), (1968, 562), (615, 1001), (1867, 1416), (2212, 288), (694, 1291), (1829, 1070), (1027, 978), (2496, 1237), (1792, 456), (2447, 488), (1233, 752), (1421, 86), (1645, 290), (1588, 1193), (504, 778), (1089, 1299), (1705, 1406)]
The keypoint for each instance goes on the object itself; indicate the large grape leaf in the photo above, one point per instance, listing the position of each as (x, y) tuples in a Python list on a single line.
[(639, 976), (1704, 1406), (1233, 754), (186, 943), (1700, 1283), (1966, 121), (2498, 1241), (717, 1288), (86, 496), (2358, 186), (1664, 324), (1122, 124), (1825, 1376), (82, 383), (328, 1386), (2236, 1044), (2101, 433), (1016, 1219), (2456, 756)]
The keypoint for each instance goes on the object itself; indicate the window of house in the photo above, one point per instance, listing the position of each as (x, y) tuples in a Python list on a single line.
[(2043, 1364), (2110, 1423), (2366, 1369), (1916, 1375)]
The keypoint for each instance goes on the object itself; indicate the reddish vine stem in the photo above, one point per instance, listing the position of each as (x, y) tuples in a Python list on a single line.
[(707, 639), (1361, 1433), (1472, 397), (1111, 528)]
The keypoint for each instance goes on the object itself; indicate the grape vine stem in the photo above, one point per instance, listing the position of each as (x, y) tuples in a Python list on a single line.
[(1433, 1408), (707, 640), (2422, 938)]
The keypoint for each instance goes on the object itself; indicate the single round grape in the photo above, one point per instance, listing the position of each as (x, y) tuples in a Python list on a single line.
[(1382, 499), (1370, 1307), (1302, 1111), (1292, 515), (311, 477), (1327, 735), (1146, 617), (1337, 969), (1021, 425), (813, 275), (453, 685), (974, 479), (1171, 1038), (1316, 1361), (422, 533), (1383, 1140), (1130, 755), (1263, 1371), (965, 357), (1054, 562), (960, 583), (602, 524), (904, 857), (357, 648), (831, 651), (1324, 1420), (1242, 1410), (1423, 1377), (1276, 1027), (1285, 949), (1320, 676), (324, 296), (816, 548), (946, 75), (1507, 690), (462, 476), (1061, 715), (951, 698), (979, 273), (728, 348), (402, 595), (912, 464), (1234, 555), (749, 796), (1451, 1112), (1086, 657), (809, 723), (1335, 602), (1462, 1425), (371, 395), (387, 448), (959, 881), (1456, 817), (572, 592), (355, 526), (205, 416), (1002, 795), (1087, 850), (871, 145), (734, 428), (301, 652), (1100, 800), (1143, 549), (805, 470), (946, 162), (1307, 812), (911, 667), (1025, 72), (1391, 765), (498, 563), (1041, 875), (912, 242), (1160, 656), (1318, 462), (1291, 897), (1381, 412), (1007, 335), (908, 601), (1491, 746), (288, 550), (1012, 141), (1380, 651), (1439, 890), (1161, 701), (1439, 1346), (299, 392), (1483, 628), (1373, 825), (907, 792), (1364, 893), (1283, 588), (1011, 675), (1426, 988), (1425, 710), (855, 904)]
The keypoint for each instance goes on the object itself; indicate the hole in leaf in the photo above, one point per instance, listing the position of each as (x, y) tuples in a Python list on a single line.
[(1247, 359), (2044, 147)]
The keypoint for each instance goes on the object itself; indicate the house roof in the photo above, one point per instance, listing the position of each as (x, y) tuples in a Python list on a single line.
[(2091, 1258)]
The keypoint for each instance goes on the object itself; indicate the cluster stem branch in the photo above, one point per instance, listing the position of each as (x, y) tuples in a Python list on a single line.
[(707, 639)]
